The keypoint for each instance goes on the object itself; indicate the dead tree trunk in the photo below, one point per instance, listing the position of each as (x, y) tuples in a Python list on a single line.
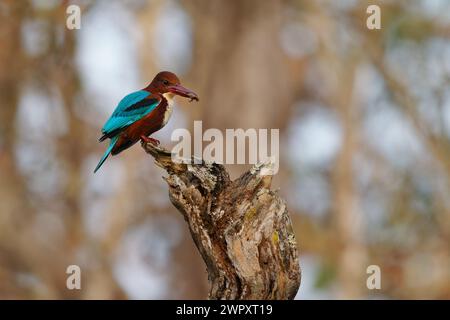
[(241, 228)]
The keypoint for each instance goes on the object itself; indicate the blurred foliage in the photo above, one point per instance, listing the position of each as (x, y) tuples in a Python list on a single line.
[(364, 117)]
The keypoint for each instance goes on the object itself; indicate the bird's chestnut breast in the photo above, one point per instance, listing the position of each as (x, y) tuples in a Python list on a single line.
[(148, 124)]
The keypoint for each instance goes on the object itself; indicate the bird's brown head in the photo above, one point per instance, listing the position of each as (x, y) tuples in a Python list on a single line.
[(168, 82)]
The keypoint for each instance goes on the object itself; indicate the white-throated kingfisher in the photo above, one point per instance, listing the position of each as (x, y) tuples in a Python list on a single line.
[(141, 113)]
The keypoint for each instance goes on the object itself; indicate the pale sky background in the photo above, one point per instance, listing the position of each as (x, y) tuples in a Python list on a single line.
[(107, 58)]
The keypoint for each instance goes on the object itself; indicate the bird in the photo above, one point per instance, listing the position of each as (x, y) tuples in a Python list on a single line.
[(141, 113)]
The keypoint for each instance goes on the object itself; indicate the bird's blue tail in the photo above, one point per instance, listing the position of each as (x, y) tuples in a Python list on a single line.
[(107, 152)]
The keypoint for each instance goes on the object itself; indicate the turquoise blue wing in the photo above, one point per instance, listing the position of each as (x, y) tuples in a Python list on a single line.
[(130, 109)]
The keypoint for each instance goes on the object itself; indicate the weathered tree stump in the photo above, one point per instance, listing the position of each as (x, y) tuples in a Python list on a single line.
[(241, 228)]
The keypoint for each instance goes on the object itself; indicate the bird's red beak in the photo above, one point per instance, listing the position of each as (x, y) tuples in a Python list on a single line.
[(184, 92)]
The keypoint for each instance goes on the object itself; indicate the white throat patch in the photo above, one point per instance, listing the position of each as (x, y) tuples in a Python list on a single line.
[(169, 97)]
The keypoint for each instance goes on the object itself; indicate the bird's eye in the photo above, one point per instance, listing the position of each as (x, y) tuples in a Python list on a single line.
[(165, 82)]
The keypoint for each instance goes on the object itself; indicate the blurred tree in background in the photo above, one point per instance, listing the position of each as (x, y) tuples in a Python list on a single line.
[(364, 119)]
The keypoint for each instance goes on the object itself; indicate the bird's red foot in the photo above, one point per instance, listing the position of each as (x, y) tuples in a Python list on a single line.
[(150, 140)]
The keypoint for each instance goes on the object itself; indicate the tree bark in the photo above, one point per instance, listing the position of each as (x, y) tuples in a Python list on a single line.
[(241, 228)]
